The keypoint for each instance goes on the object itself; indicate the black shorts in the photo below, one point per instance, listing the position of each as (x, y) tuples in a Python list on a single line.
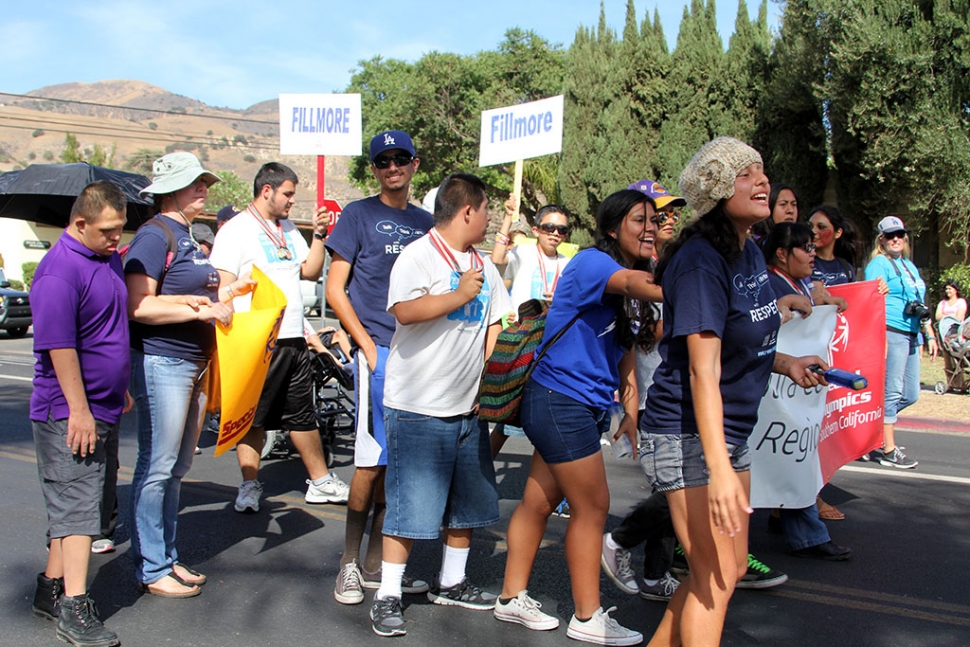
[(72, 486), (287, 398)]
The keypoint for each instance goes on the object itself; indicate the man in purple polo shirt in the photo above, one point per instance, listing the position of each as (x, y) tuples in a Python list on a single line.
[(79, 304)]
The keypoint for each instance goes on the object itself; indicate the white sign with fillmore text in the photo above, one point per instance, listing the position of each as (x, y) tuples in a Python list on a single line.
[(320, 124), (521, 131)]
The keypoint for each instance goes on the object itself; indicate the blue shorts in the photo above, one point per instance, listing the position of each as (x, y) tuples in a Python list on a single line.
[(439, 473), (370, 441), (561, 429), (676, 461)]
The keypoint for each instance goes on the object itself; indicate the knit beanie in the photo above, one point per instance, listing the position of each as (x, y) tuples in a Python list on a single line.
[(710, 174)]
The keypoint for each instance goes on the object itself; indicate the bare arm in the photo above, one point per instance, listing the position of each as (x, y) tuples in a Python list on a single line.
[(796, 368), (337, 278), (728, 499), (502, 238), (635, 285), (491, 336), (629, 398), (82, 430), (431, 306), (147, 308)]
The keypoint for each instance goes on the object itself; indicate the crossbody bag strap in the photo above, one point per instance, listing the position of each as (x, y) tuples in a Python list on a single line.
[(551, 342)]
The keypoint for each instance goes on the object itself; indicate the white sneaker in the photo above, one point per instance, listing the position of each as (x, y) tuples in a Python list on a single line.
[(100, 546), (525, 611), (332, 490), (601, 629), (616, 564), (248, 498)]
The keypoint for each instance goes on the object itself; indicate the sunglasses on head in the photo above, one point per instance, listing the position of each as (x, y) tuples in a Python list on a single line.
[(895, 234), (550, 228), (663, 216), (401, 159)]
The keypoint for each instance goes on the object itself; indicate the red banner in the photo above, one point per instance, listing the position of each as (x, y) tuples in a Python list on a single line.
[(853, 420)]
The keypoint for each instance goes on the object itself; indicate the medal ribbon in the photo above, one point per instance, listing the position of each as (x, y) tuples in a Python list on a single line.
[(798, 289), (279, 241), (545, 277), (476, 260)]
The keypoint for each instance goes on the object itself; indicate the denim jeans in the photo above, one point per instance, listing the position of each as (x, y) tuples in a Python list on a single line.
[(170, 402), (803, 528), (902, 373)]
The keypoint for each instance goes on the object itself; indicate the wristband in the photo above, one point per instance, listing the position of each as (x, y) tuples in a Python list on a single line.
[(229, 290), (501, 239)]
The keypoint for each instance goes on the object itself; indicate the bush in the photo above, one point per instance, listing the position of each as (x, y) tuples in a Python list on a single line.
[(37, 133), (249, 158), (239, 139), (16, 285), (152, 125), (48, 156), (28, 269)]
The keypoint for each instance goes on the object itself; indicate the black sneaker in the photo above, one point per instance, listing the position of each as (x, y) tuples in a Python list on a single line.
[(896, 458), (760, 576), (79, 625), (463, 594), (387, 617), (47, 597), (679, 566)]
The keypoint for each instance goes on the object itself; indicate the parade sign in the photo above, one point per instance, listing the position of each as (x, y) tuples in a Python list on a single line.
[(245, 347), (320, 124), (521, 131)]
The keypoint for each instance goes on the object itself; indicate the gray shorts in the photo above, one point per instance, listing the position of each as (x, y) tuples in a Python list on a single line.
[(676, 461), (72, 486)]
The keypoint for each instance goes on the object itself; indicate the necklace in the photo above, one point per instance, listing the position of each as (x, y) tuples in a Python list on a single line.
[(278, 239), (546, 289), (445, 251)]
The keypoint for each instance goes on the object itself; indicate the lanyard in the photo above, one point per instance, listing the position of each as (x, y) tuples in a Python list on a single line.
[(476, 260), (545, 277), (798, 289), (283, 251)]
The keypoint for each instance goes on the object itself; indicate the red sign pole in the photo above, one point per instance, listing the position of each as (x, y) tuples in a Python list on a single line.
[(321, 172)]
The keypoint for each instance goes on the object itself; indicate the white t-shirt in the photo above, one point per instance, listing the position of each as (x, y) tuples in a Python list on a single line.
[(242, 243), (525, 272), (434, 367)]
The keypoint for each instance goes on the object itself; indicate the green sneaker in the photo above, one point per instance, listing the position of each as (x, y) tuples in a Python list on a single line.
[(760, 576)]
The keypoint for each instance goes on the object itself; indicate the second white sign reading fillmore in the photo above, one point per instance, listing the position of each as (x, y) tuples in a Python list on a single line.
[(521, 131)]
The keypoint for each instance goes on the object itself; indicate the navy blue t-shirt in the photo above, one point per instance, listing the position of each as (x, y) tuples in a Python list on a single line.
[(189, 273), (583, 363), (703, 293), (833, 272), (370, 235)]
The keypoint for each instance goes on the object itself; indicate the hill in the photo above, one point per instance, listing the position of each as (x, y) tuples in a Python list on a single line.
[(139, 120)]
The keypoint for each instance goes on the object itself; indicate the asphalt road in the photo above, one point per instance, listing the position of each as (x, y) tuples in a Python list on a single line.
[(271, 574)]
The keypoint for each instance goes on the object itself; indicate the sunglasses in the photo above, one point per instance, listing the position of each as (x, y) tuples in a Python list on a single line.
[(401, 159), (894, 235), (549, 228), (663, 216), (809, 247)]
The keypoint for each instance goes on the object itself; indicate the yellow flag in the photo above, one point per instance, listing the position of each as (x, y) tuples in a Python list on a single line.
[(244, 350)]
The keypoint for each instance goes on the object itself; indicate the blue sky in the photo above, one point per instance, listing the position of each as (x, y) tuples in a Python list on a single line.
[(237, 53)]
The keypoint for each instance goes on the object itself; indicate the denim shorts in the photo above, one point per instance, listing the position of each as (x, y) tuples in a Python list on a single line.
[(676, 461), (561, 429), (439, 473)]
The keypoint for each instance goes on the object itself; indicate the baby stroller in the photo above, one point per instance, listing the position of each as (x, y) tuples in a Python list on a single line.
[(955, 346)]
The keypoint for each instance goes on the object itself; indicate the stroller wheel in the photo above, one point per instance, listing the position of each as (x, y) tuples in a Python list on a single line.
[(940, 388)]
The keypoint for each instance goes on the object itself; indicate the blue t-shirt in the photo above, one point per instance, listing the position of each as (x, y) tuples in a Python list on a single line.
[(833, 272), (736, 303), (583, 363), (370, 235), (781, 287), (189, 273), (79, 301), (904, 287)]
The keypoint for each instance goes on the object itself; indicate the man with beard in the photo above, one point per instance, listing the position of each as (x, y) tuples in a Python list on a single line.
[(262, 235)]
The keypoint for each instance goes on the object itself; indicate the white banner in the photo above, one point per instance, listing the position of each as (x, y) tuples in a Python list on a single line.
[(785, 468), (521, 131), (320, 124)]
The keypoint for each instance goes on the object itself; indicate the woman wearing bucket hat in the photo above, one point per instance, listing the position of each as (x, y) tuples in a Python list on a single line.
[(172, 303), (720, 326), (906, 314)]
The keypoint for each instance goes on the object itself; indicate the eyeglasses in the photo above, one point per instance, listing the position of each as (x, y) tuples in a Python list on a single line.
[(550, 229), (894, 235), (663, 216), (809, 247), (401, 159)]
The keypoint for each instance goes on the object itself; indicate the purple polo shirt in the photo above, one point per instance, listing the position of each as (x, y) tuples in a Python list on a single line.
[(79, 300)]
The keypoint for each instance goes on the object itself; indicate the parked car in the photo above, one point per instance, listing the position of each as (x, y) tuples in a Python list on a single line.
[(312, 297), (15, 315)]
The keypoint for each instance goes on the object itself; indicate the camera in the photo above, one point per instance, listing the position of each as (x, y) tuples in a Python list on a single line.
[(918, 310)]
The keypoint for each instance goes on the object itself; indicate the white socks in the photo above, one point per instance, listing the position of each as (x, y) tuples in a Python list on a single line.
[(453, 566), (391, 575)]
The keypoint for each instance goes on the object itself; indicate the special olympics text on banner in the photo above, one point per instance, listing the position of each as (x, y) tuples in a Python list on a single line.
[(244, 350), (521, 131)]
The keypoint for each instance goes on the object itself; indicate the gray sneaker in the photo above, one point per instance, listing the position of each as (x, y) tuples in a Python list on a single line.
[(616, 564), (248, 498), (463, 594), (897, 458), (348, 589), (387, 617), (525, 611), (372, 581), (662, 590), (601, 629)]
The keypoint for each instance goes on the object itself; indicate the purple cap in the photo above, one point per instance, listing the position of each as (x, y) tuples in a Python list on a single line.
[(658, 195), (390, 140), (226, 213)]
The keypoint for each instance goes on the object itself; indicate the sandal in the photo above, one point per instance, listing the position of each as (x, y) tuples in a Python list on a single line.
[(828, 511), (194, 576), (190, 592)]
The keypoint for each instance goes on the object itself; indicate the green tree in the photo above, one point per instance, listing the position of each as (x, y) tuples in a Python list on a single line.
[(232, 190), (71, 153)]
